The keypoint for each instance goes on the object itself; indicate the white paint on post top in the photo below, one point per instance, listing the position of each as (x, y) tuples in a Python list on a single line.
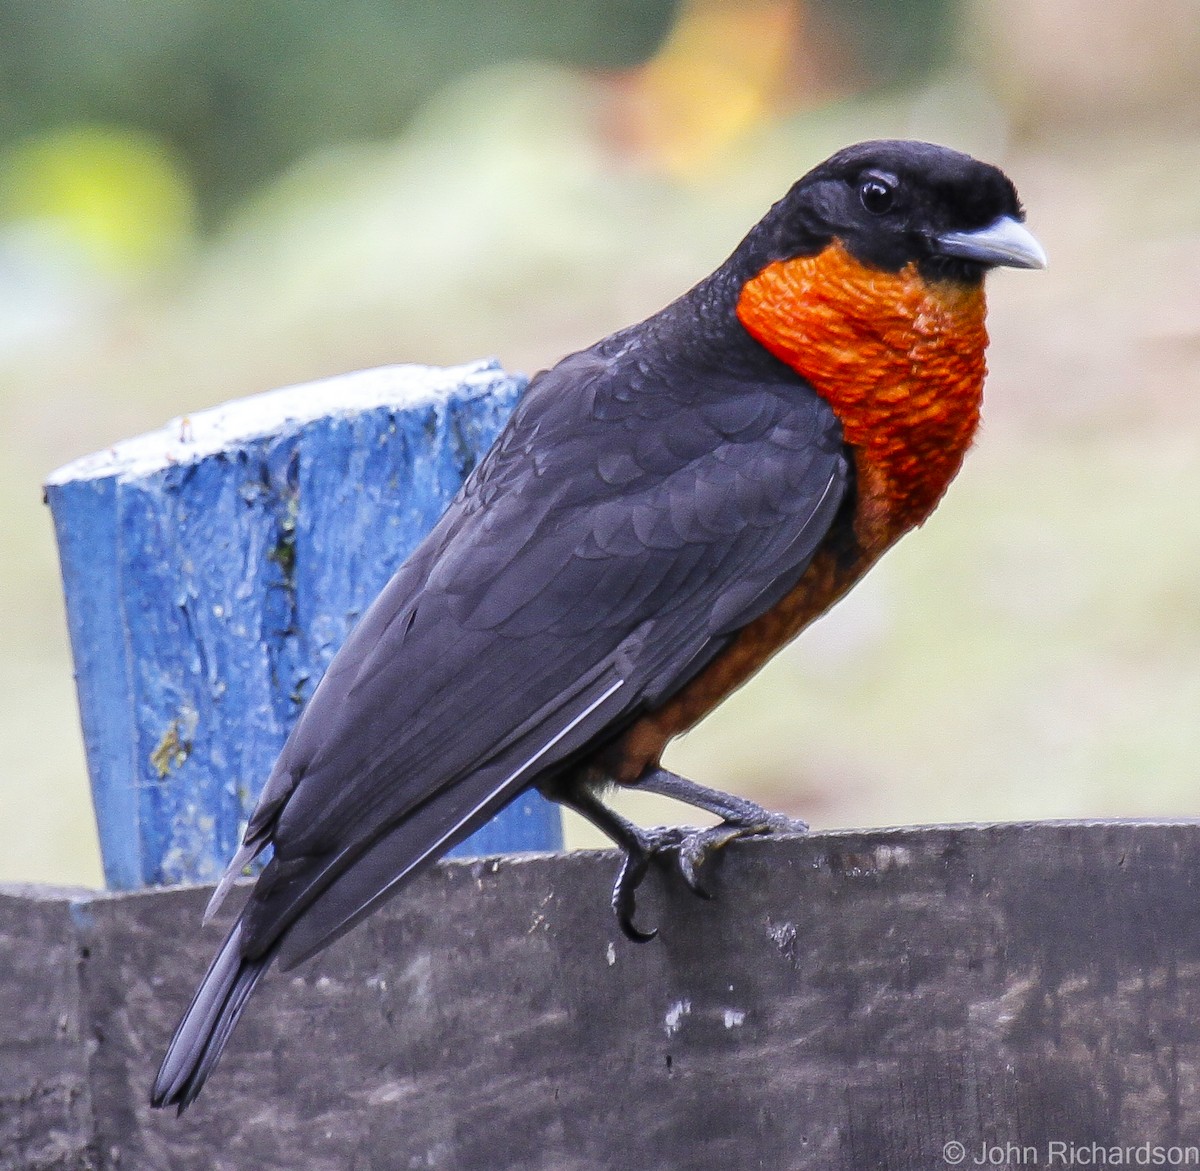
[(190, 438)]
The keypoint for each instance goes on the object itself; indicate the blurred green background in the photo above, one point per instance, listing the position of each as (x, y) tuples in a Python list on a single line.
[(201, 199)]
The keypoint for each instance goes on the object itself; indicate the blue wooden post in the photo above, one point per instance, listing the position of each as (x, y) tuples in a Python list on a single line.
[(213, 569)]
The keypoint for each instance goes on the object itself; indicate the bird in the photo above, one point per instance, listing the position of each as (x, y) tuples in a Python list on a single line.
[(662, 512)]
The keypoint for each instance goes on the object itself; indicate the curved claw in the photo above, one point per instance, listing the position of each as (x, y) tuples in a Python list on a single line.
[(691, 879), (692, 849), (697, 848), (624, 896), (692, 855)]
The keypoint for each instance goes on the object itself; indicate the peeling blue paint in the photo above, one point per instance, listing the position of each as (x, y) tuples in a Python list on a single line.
[(213, 569)]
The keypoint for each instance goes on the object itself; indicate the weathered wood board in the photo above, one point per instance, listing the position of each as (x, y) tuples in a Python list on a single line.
[(847, 1001)]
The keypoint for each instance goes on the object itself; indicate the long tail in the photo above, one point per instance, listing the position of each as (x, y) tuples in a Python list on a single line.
[(206, 1026)]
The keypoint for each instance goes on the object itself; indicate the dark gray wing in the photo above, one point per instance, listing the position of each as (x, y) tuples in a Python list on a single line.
[(606, 548), (623, 527)]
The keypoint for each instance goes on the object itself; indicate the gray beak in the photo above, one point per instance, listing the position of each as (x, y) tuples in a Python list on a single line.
[(1003, 242)]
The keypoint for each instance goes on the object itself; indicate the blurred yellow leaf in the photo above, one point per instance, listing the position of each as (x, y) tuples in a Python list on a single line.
[(117, 194), (716, 77)]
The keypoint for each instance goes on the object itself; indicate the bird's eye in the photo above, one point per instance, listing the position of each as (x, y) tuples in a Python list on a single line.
[(877, 194)]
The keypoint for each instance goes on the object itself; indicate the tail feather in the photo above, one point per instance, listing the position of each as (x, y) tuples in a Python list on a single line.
[(205, 1029), (292, 916), (246, 854)]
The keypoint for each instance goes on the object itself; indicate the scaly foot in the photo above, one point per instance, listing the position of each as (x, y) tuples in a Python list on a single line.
[(690, 848)]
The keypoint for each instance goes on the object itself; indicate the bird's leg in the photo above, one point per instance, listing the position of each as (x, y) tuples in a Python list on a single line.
[(739, 819), (640, 846), (736, 811)]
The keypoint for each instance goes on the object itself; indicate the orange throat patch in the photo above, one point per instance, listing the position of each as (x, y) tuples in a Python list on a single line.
[(899, 358)]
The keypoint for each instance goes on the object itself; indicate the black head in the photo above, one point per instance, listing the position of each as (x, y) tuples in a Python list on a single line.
[(893, 202)]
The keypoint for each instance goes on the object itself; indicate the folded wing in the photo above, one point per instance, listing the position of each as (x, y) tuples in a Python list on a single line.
[(606, 549)]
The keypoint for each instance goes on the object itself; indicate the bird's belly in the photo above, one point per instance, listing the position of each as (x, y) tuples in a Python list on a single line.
[(827, 578)]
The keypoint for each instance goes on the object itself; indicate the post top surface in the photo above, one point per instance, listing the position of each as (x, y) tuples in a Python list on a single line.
[(190, 438)]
